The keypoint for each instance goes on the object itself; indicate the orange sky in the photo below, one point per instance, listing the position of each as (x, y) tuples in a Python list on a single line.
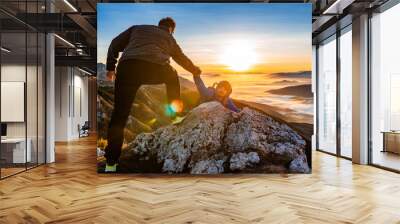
[(248, 53), (300, 64), (224, 38)]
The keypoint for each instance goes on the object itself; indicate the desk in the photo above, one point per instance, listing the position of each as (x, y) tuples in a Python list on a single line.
[(13, 150), (391, 141)]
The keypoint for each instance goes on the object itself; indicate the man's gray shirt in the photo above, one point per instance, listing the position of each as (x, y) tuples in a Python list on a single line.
[(148, 43)]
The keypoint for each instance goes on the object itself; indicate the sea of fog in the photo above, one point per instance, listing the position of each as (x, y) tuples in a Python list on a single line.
[(255, 87)]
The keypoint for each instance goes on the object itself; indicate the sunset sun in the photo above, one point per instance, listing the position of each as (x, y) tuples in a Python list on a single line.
[(239, 55)]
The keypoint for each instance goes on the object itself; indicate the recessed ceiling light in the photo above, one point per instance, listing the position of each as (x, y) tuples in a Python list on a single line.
[(64, 40), (337, 7), (5, 50), (70, 5), (86, 72)]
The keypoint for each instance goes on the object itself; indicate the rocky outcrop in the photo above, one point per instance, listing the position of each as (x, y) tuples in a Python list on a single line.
[(212, 140), (240, 161)]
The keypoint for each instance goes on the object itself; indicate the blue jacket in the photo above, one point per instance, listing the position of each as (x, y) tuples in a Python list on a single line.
[(208, 94)]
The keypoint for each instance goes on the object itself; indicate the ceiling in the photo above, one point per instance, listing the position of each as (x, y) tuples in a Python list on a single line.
[(75, 22)]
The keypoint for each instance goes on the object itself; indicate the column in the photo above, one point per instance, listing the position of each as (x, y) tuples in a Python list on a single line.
[(360, 90)]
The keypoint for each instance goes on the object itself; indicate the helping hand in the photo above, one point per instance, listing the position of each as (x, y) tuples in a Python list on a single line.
[(110, 75), (197, 71)]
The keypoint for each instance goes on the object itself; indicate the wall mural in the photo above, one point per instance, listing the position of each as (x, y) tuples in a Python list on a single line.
[(201, 88)]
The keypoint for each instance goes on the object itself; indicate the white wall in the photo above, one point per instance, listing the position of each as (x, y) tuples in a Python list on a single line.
[(71, 94), (81, 104), (62, 81), (12, 73), (33, 127)]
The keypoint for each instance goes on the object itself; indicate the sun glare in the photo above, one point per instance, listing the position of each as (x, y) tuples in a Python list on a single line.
[(239, 55)]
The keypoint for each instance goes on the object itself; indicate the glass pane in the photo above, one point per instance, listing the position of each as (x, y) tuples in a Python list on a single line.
[(385, 84), (346, 94), (13, 86), (32, 97), (327, 96), (32, 87), (22, 63), (41, 98)]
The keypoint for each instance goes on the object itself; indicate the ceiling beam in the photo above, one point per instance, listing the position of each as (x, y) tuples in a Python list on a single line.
[(86, 27), (76, 61), (337, 7)]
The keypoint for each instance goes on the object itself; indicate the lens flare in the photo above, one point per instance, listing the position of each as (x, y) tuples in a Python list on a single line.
[(152, 121), (176, 106)]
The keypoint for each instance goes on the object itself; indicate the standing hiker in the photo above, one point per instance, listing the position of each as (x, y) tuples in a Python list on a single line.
[(145, 60)]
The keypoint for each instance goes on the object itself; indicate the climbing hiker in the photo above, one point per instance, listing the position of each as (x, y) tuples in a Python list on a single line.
[(220, 92)]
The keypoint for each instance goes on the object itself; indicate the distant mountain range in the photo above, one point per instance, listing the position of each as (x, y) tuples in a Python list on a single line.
[(284, 82), (300, 74), (297, 91)]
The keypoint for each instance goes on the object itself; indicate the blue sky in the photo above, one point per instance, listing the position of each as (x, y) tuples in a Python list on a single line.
[(281, 33)]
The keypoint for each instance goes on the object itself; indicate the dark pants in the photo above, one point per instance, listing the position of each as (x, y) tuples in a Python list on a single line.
[(130, 75)]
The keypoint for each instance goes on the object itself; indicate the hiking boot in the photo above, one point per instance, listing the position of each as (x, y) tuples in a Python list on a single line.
[(177, 119), (111, 168)]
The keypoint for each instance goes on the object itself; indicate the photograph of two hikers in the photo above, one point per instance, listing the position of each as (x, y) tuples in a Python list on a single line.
[(195, 89)]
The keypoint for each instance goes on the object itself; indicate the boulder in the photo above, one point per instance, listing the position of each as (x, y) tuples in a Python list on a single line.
[(212, 139), (240, 161)]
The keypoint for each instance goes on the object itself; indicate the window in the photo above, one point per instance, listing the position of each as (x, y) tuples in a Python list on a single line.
[(327, 96), (22, 77), (385, 89), (346, 92)]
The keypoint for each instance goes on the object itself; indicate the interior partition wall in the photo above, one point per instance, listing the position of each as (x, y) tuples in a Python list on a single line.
[(23, 89), (334, 94), (71, 102), (385, 88)]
